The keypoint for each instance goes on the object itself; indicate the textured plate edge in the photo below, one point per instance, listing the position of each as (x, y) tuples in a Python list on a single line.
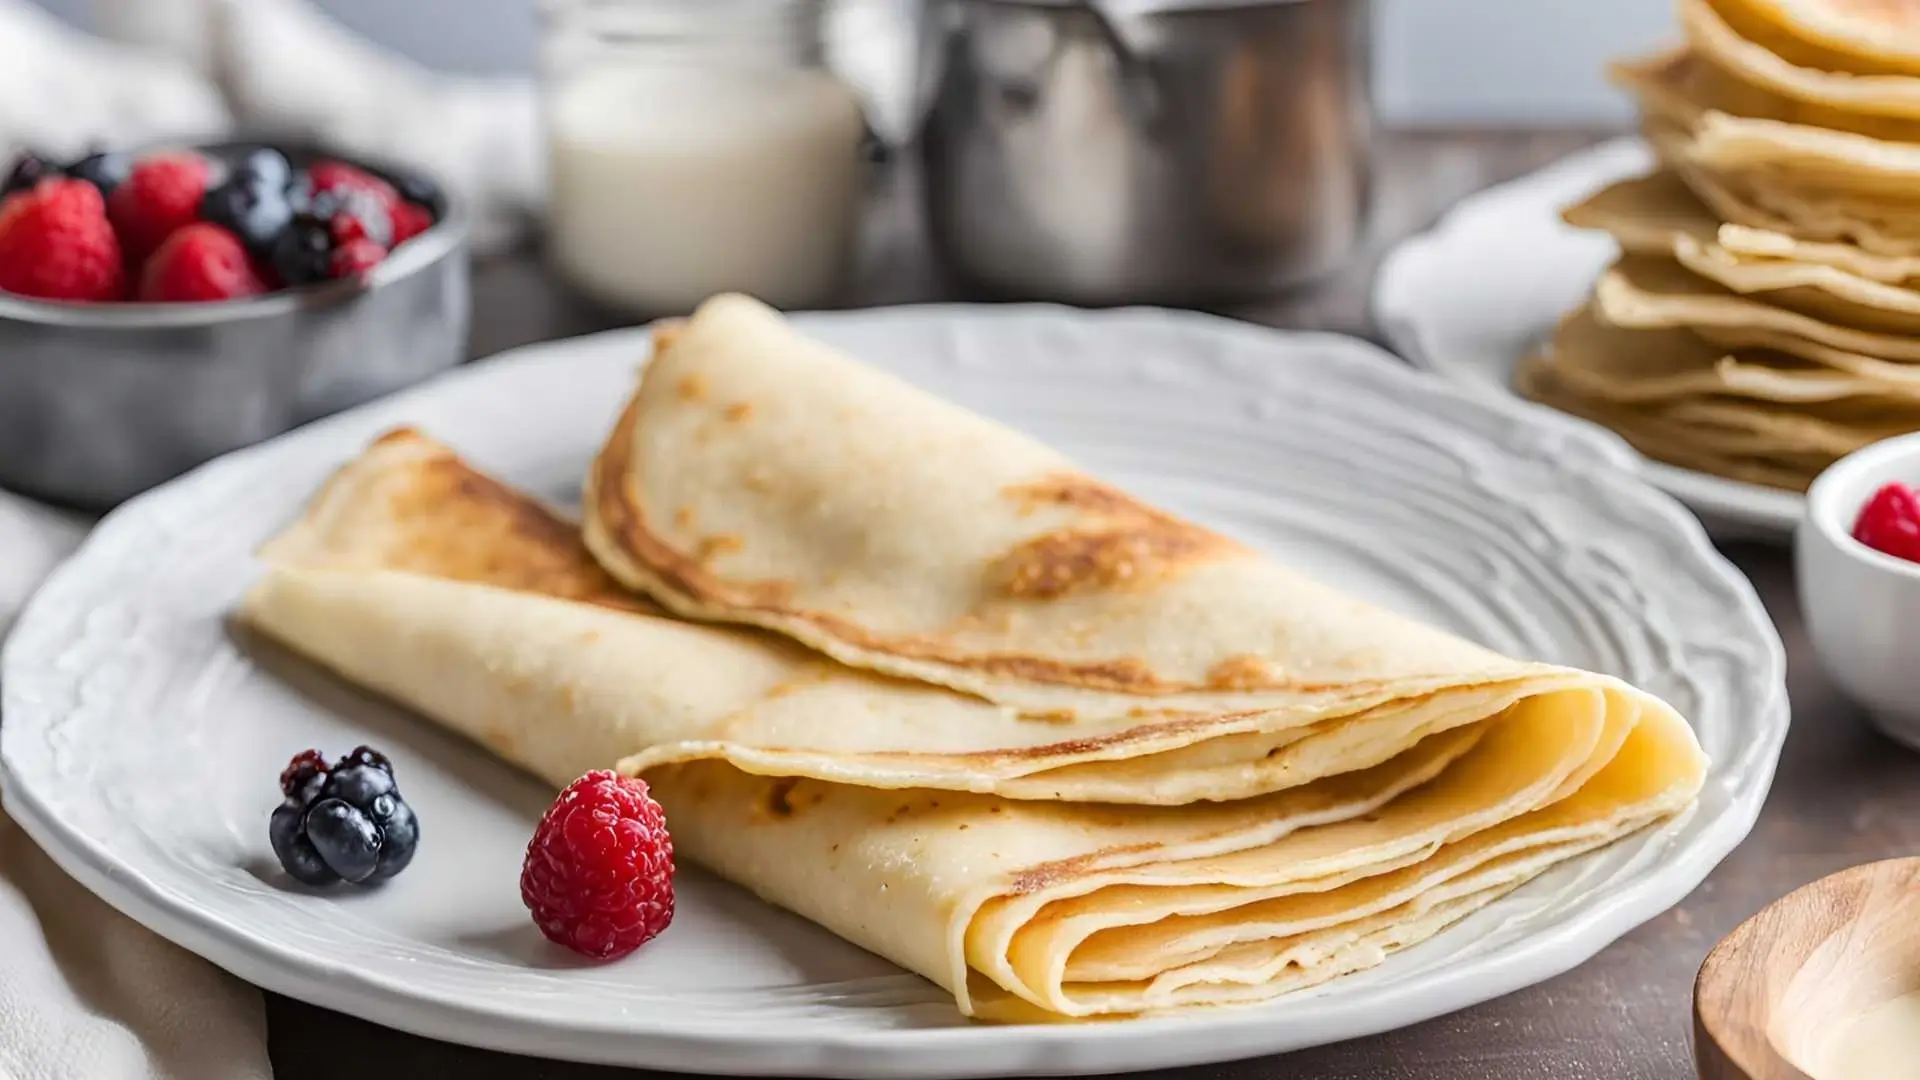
[(1045, 1050), (1736, 507)]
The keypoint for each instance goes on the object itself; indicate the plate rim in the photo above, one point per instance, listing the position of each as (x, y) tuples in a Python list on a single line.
[(1768, 512), (1043, 1049)]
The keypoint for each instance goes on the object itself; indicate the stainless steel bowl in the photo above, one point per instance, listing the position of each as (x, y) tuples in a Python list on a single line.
[(100, 402), (1106, 154)]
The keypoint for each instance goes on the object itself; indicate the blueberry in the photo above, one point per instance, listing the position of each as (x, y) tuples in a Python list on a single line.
[(287, 832), (399, 834), (358, 785), (104, 171), (303, 252), (345, 837), (267, 165), (254, 206), (28, 169)]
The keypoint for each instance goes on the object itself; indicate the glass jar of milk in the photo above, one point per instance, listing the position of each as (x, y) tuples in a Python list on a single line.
[(697, 147)]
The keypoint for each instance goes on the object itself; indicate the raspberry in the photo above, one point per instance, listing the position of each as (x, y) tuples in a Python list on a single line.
[(410, 219), (160, 195), (305, 767), (599, 871), (56, 244), (344, 179), (200, 262), (1890, 522), (356, 256)]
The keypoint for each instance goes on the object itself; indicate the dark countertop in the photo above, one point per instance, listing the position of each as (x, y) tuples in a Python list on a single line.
[(1843, 795)]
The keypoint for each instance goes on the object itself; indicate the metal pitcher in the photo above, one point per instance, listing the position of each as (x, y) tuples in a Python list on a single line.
[(1097, 154)]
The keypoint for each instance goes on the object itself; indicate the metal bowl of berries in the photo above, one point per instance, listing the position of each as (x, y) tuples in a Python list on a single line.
[(163, 307)]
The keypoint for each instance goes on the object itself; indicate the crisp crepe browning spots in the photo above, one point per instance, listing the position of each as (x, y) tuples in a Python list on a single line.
[(1118, 543), (410, 503), (896, 532)]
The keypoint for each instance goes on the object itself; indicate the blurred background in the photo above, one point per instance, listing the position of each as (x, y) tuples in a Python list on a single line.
[(1439, 61), (575, 165)]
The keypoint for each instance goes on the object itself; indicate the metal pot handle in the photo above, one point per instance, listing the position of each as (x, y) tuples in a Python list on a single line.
[(932, 25), (937, 18), (1138, 80)]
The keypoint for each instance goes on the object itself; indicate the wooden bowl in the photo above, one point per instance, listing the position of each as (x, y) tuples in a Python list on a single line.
[(1773, 993)]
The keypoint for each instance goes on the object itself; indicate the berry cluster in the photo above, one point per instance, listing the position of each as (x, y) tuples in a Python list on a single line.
[(344, 822), (190, 225)]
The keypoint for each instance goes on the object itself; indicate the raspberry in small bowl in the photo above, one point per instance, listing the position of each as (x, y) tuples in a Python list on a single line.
[(1857, 561), (161, 307)]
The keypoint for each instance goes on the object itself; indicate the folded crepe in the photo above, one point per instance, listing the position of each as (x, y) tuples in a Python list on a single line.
[(1735, 126), (1832, 35), (1659, 216), (1629, 366), (1681, 85), (1854, 92), (1650, 293), (1730, 396), (981, 841), (1738, 455), (1669, 389), (1764, 161)]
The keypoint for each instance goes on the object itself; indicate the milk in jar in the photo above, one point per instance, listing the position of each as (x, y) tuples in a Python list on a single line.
[(697, 147)]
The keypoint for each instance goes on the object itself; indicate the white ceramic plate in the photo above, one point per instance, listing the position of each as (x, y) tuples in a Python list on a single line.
[(142, 738), (1472, 296)]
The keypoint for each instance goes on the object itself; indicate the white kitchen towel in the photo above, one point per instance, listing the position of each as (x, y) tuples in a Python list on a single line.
[(86, 992), (201, 69), (62, 90)]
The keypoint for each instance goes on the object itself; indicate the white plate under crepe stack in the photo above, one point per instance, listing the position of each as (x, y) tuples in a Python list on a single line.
[(1761, 320), (917, 678)]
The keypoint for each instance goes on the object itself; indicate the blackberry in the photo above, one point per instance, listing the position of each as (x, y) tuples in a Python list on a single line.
[(416, 188), (345, 837), (357, 782), (103, 170), (399, 834), (28, 169), (287, 832), (303, 252), (345, 822)]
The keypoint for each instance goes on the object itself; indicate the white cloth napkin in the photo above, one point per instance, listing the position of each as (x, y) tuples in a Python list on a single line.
[(86, 991), (203, 69), (62, 90)]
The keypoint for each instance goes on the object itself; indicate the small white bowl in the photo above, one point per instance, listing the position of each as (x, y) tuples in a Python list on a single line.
[(1863, 607)]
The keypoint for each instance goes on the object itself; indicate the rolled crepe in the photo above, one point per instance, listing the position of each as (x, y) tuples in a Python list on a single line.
[(422, 580), (758, 477)]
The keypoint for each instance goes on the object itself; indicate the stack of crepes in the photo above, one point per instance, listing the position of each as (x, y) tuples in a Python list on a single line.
[(1761, 320), (915, 677)]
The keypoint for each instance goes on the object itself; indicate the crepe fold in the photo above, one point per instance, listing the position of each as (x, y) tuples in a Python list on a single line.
[(1086, 833)]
